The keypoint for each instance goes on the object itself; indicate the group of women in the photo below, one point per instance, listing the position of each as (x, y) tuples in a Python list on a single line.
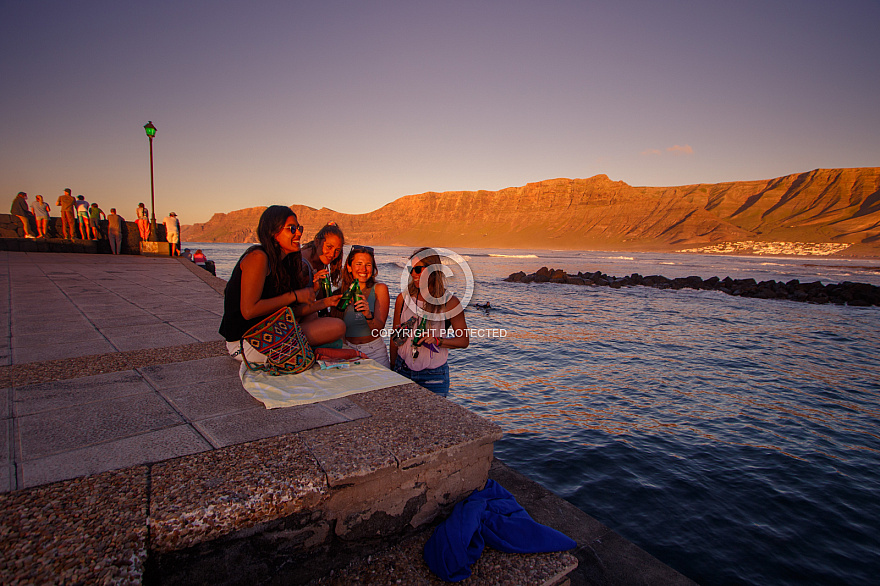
[(279, 272)]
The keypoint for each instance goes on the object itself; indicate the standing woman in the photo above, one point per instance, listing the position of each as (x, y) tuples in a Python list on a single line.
[(40, 210), (419, 349), (324, 254), (82, 216), (142, 216), (369, 314), (266, 278)]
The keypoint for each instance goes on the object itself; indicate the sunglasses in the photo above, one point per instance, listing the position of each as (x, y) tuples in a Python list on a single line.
[(294, 229), (418, 269), (359, 248)]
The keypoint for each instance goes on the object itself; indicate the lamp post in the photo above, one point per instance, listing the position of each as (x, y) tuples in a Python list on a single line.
[(154, 231)]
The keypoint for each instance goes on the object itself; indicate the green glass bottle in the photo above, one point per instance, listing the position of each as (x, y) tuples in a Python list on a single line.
[(346, 298)]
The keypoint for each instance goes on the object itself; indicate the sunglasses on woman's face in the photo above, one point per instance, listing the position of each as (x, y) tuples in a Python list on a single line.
[(418, 269), (359, 248), (294, 229)]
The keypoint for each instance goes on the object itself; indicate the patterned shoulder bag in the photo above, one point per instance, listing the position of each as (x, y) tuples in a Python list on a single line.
[(280, 338)]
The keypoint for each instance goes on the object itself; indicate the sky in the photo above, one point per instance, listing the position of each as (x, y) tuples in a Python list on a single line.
[(353, 104)]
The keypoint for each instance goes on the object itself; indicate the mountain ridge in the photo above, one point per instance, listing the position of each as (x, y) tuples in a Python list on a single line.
[(822, 205)]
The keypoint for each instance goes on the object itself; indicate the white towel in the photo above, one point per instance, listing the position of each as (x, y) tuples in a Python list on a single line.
[(316, 385)]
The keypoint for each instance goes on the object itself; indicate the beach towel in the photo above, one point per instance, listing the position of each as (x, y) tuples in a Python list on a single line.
[(487, 517), (316, 384)]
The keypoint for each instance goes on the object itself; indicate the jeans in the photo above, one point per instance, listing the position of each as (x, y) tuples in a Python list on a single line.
[(435, 380)]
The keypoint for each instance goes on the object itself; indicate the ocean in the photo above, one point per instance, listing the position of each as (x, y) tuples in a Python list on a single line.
[(735, 439)]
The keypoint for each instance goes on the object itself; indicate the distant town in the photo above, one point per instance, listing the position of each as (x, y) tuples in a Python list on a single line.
[(772, 248)]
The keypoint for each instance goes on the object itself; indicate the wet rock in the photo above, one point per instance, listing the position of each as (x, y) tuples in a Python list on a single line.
[(849, 293)]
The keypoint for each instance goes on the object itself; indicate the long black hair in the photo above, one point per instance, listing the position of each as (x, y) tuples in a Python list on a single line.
[(314, 249), (271, 223)]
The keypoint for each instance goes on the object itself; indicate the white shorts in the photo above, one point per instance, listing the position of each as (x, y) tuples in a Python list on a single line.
[(250, 352), (375, 350)]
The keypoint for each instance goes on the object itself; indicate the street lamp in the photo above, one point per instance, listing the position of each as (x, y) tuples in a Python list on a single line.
[(154, 232)]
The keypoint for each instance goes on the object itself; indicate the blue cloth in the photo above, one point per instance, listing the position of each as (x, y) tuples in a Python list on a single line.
[(487, 517)]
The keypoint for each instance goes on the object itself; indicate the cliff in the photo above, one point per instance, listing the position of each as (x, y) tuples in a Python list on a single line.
[(824, 205)]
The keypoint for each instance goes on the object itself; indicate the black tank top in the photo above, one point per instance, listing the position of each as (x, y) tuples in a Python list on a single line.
[(234, 325)]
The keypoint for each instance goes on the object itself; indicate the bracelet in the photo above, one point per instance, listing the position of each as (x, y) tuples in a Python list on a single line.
[(295, 297)]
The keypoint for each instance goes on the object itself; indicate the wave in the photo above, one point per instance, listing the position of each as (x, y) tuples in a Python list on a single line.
[(514, 255), (621, 258)]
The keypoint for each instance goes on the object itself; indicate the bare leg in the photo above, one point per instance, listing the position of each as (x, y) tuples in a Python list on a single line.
[(323, 330)]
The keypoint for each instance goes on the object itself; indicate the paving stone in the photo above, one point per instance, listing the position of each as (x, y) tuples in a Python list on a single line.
[(255, 424), (203, 400), (66, 349), (6, 430), (32, 399), (168, 337), (63, 322), (154, 446), (203, 330), (87, 334), (181, 374), (80, 426), (6, 402)]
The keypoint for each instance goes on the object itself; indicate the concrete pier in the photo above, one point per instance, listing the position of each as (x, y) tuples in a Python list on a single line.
[(130, 453)]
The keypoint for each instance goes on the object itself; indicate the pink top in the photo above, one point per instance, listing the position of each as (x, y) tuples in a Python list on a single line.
[(426, 358)]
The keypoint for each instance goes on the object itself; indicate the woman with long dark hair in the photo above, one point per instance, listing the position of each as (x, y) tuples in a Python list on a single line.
[(269, 276), (428, 321), (324, 253)]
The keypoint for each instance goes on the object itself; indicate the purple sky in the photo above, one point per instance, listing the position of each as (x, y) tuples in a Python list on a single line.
[(351, 105)]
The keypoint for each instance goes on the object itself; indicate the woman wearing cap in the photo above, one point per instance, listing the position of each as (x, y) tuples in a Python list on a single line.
[(269, 276), (427, 328), (364, 318)]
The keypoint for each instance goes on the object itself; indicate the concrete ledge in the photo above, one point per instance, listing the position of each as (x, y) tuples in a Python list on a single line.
[(155, 249)]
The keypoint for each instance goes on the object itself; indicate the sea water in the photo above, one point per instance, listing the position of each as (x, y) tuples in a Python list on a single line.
[(735, 439)]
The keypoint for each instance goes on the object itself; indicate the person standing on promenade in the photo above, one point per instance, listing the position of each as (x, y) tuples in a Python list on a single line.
[(142, 215), (269, 276), (114, 231), (66, 203), (40, 210), (95, 214), (420, 345), (82, 216), (20, 209), (172, 232)]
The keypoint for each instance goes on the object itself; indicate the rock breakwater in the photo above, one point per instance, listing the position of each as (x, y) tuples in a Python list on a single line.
[(845, 293)]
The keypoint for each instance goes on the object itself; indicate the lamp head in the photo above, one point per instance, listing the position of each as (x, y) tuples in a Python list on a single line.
[(150, 129)]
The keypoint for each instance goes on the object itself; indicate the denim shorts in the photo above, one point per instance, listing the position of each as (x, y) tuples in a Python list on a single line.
[(435, 380)]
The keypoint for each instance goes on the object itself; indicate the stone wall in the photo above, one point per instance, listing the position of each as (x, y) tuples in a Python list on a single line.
[(11, 229)]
